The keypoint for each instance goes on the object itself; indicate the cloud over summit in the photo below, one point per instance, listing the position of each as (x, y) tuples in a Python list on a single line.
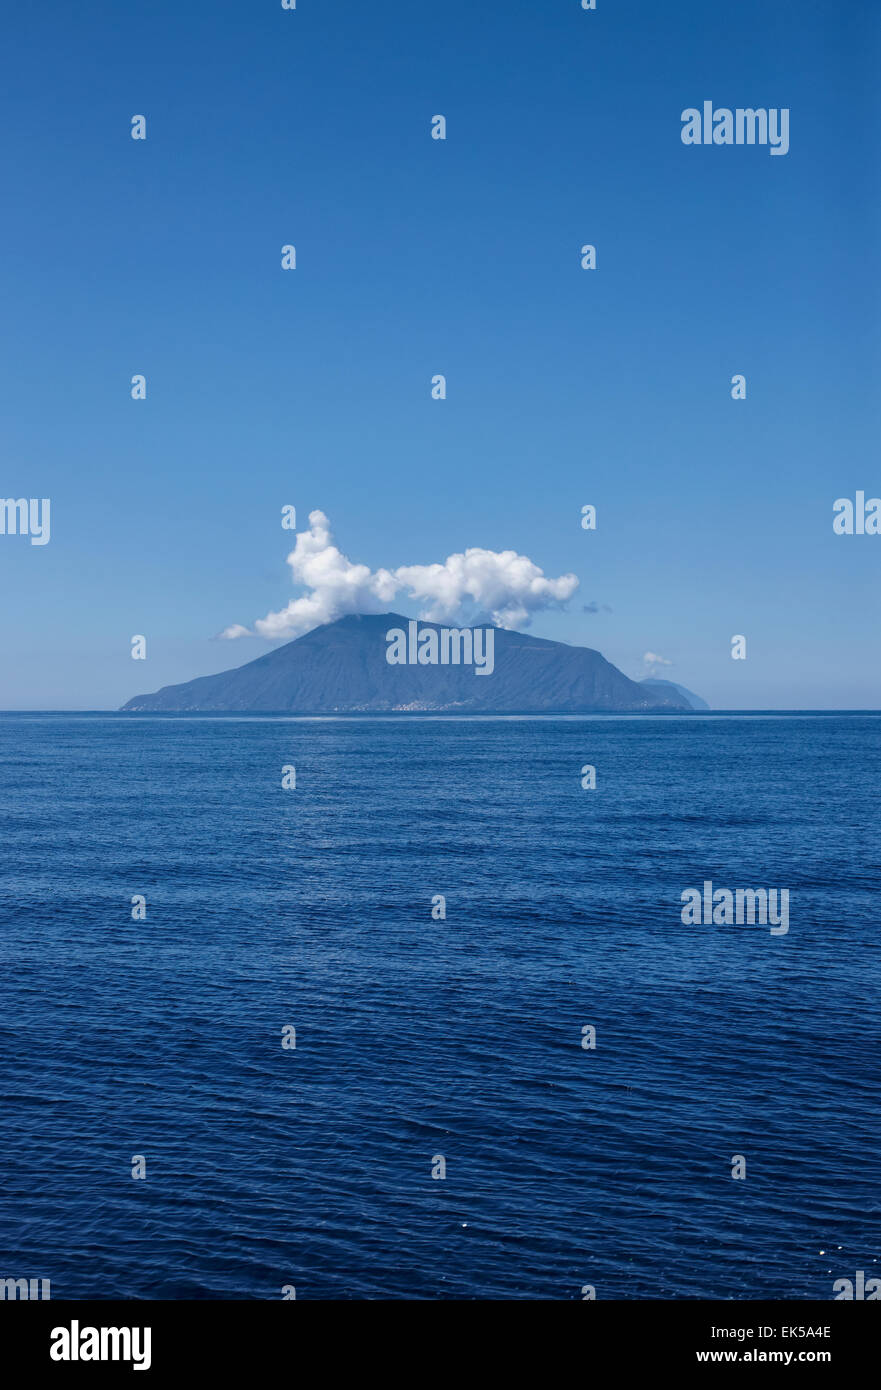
[(507, 586)]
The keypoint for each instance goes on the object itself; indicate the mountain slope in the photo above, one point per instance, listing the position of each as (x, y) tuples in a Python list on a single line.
[(662, 686), (342, 668)]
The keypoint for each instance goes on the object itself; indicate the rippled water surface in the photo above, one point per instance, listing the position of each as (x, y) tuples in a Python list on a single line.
[(265, 907)]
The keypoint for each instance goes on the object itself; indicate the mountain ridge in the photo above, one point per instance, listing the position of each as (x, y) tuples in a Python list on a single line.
[(694, 700), (341, 668)]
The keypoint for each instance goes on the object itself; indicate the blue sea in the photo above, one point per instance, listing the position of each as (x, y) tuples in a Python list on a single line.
[(417, 1039)]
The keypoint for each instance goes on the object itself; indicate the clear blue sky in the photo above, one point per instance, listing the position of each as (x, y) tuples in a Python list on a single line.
[(418, 256)]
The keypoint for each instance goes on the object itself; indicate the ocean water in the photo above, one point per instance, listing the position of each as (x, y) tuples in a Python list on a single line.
[(311, 1167)]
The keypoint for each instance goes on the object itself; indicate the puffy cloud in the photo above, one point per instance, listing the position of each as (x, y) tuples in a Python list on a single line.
[(653, 659), (504, 584), (337, 586), (507, 586)]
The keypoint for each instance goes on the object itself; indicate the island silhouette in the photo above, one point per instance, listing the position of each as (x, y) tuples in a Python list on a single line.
[(343, 668)]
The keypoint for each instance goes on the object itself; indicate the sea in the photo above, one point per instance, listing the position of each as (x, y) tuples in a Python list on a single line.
[(422, 1020)]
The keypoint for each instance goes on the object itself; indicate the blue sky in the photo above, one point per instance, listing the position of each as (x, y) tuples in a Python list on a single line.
[(417, 256)]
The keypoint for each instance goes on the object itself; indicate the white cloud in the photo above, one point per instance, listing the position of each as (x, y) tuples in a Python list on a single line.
[(502, 583), (653, 659), (507, 586)]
